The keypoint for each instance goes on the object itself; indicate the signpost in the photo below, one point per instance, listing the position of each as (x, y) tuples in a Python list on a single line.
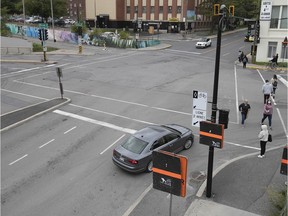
[(266, 10), (199, 107), (169, 173)]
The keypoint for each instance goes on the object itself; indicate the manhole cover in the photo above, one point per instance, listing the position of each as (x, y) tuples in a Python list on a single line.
[(198, 176)]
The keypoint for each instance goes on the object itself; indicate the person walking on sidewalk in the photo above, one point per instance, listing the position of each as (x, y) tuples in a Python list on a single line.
[(268, 111), (267, 89), (274, 82), (244, 109), (263, 136), (244, 60)]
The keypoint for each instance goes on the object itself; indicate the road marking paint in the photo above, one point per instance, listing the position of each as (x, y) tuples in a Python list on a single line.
[(18, 159), (25, 70), (106, 98), (138, 200), (244, 146), (225, 54), (93, 121), (69, 130), (46, 143), (24, 94), (282, 122), (283, 80), (181, 51), (112, 144), (112, 114)]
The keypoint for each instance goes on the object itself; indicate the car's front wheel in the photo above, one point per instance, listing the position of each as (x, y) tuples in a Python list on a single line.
[(188, 144), (149, 166)]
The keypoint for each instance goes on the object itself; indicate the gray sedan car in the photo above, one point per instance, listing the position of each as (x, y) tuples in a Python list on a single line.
[(135, 153)]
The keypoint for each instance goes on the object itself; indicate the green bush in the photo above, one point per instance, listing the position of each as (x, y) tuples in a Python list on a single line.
[(278, 199), (38, 48)]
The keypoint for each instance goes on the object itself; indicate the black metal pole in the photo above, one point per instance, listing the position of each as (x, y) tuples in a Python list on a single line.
[(214, 106)]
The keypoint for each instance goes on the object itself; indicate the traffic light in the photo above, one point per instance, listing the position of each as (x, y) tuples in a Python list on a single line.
[(40, 36), (45, 34), (216, 9), (231, 10), (224, 117)]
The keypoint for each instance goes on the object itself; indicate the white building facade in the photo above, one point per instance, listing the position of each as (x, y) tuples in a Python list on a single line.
[(273, 30)]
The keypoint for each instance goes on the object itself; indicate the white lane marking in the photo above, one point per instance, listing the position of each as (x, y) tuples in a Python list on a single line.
[(112, 144), (69, 130), (138, 200), (25, 70), (226, 54), (112, 114), (282, 122), (106, 98), (46, 143), (181, 51), (283, 80), (244, 146), (117, 100), (93, 121), (236, 94), (24, 94), (18, 159)]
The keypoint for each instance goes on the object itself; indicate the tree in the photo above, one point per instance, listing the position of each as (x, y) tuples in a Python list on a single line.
[(43, 8)]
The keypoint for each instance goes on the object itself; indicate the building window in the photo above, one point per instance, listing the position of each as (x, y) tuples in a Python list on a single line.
[(152, 9), (161, 9), (275, 17), (179, 9), (284, 52), (128, 9), (283, 22), (169, 9), (80, 5), (74, 4), (144, 9), (272, 46)]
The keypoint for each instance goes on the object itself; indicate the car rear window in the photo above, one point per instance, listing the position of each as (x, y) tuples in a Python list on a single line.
[(135, 145)]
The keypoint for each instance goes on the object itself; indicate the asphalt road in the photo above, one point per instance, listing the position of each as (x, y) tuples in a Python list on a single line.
[(60, 163)]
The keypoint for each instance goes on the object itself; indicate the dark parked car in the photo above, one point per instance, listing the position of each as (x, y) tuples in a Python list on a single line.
[(60, 23), (135, 153)]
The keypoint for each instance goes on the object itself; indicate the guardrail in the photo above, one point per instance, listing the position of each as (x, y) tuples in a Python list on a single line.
[(16, 50)]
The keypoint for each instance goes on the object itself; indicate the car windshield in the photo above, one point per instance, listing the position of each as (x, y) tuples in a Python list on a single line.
[(203, 40), (134, 145)]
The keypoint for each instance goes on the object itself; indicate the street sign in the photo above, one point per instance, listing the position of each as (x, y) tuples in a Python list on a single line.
[(43, 25), (266, 9), (169, 172), (211, 134), (199, 107)]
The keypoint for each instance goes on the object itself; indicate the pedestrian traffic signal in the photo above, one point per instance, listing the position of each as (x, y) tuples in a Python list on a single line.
[(216, 9), (45, 34), (40, 34), (231, 10), (224, 117)]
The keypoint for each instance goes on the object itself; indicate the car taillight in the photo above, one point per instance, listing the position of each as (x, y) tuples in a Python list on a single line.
[(133, 161)]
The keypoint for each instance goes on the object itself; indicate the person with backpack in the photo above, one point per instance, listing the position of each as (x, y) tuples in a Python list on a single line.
[(244, 60), (267, 90), (274, 82), (244, 109), (267, 112)]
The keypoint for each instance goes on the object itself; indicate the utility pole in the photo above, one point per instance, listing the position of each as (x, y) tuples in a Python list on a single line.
[(222, 16)]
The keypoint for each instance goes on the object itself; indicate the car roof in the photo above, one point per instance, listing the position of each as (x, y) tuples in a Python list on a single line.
[(151, 133)]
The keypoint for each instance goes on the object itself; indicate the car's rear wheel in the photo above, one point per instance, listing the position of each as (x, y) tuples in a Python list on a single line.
[(149, 166), (188, 144)]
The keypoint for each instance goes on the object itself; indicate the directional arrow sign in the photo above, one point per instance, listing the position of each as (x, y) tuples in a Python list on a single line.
[(199, 107)]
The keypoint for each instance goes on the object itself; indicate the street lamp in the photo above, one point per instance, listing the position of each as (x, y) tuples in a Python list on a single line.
[(52, 20), (215, 95)]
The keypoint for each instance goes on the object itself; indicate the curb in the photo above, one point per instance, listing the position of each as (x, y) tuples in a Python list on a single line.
[(28, 61)]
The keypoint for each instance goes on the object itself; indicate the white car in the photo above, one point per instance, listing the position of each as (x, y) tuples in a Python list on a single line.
[(203, 43)]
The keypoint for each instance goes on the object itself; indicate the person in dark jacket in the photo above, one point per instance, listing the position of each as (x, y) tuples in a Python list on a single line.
[(244, 60), (244, 108)]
